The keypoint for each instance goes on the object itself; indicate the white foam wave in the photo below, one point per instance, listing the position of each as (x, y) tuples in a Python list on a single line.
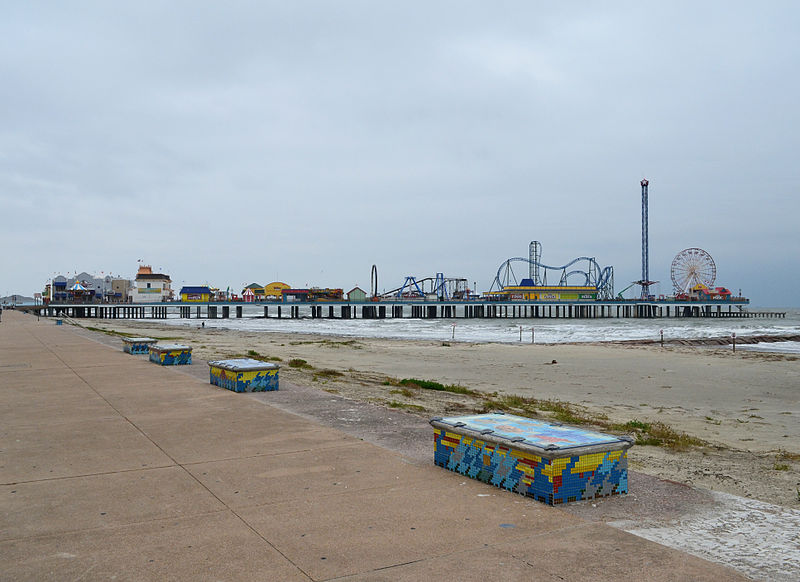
[(508, 330)]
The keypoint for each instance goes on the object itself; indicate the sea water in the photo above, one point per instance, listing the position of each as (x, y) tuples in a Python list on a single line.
[(511, 330)]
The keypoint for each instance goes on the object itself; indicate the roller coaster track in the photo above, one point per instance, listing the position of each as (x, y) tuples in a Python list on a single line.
[(443, 287), (593, 276)]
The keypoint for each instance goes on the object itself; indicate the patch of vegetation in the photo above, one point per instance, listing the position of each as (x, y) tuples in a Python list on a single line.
[(355, 344), (631, 426), (661, 435), (569, 413), (299, 363), (512, 401), (328, 373), (253, 355), (787, 456), (404, 392), (780, 467), (438, 386), (645, 440), (712, 421), (405, 406), (553, 409)]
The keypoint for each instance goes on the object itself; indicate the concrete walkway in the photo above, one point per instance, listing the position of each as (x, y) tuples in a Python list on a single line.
[(114, 468)]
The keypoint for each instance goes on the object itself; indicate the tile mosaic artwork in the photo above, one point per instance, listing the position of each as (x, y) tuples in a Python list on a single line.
[(539, 433), (173, 355), (243, 380), (574, 475), (137, 345)]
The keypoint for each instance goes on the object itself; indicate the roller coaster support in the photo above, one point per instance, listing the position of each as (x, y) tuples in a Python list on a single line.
[(440, 287), (410, 282)]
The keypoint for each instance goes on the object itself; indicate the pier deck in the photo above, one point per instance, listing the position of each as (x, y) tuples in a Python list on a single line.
[(407, 309)]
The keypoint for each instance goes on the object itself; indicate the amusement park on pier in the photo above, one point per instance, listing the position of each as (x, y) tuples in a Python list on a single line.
[(523, 287)]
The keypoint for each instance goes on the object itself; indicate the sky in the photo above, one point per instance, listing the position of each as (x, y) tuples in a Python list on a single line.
[(240, 142)]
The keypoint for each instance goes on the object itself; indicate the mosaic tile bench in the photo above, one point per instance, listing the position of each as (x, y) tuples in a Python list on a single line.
[(137, 345), (244, 375), (547, 461), (170, 354)]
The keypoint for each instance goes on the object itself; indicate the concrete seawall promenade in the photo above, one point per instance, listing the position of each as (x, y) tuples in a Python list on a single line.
[(112, 467)]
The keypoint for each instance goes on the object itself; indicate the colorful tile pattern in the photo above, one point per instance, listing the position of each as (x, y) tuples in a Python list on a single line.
[(244, 375), (539, 433), (171, 355), (550, 480), (137, 345)]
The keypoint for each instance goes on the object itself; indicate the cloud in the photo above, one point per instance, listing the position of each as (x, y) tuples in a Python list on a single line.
[(421, 138)]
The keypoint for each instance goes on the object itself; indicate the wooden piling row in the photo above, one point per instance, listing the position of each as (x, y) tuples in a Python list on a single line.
[(432, 310)]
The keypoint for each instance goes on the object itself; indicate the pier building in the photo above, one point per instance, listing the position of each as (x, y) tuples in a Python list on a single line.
[(356, 295), (527, 291), (150, 286), (196, 294), (274, 291)]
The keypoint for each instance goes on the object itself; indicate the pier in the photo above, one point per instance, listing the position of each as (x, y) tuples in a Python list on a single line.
[(407, 309)]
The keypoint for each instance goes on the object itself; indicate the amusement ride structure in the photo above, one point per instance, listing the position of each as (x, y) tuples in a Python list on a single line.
[(645, 282), (440, 288), (582, 271), (692, 267)]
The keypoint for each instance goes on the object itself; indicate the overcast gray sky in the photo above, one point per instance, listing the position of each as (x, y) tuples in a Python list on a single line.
[(238, 142)]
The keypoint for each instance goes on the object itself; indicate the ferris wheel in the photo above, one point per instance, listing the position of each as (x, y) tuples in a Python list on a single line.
[(690, 267)]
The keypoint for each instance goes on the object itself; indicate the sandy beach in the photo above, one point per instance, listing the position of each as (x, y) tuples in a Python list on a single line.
[(743, 407)]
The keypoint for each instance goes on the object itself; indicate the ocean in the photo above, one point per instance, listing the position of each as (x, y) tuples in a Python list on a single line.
[(516, 330)]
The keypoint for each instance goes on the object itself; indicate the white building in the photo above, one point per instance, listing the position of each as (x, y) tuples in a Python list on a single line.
[(150, 287)]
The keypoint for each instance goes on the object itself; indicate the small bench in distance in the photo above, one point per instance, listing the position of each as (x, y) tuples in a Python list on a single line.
[(137, 345)]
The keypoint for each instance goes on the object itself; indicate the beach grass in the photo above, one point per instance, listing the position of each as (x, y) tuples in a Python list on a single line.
[(432, 385), (256, 356), (328, 373), (404, 392), (355, 344), (405, 406), (299, 363), (535, 407), (659, 434)]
